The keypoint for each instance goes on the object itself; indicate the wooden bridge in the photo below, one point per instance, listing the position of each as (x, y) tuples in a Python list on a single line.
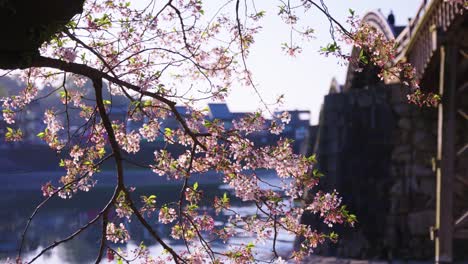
[(436, 43)]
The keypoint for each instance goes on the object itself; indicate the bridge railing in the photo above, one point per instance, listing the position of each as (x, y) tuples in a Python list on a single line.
[(418, 41), (404, 38)]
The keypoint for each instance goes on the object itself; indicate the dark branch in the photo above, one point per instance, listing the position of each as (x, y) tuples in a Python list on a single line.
[(81, 229), (103, 237)]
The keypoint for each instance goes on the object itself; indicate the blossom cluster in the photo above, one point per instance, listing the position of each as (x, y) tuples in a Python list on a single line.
[(11, 105), (328, 205), (153, 59), (117, 234), (374, 49), (167, 215)]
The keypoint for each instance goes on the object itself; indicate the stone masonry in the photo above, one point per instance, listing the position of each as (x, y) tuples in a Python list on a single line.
[(376, 150)]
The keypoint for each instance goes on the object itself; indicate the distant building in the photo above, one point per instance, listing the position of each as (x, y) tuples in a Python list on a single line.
[(220, 111), (297, 129)]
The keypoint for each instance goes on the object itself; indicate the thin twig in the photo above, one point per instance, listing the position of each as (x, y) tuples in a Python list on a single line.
[(36, 210), (81, 229)]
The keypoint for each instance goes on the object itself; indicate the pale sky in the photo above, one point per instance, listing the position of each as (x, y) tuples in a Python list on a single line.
[(305, 79)]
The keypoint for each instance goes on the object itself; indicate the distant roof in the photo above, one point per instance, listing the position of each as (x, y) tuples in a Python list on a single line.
[(183, 110), (398, 29), (239, 115), (219, 111), (335, 87)]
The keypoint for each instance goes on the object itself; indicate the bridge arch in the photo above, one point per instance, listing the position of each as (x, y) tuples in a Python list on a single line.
[(377, 20)]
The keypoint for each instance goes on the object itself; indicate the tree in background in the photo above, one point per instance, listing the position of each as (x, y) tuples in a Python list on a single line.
[(157, 55)]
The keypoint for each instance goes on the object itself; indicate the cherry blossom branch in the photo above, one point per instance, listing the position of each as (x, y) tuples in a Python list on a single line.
[(97, 83), (331, 18), (243, 56), (36, 210), (152, 232), (181, 20), (202, 240), (137, 75), (199, 67), (95, 74), (118, 254), (81, 229), (183, 191), (275, 236), (102, 244)]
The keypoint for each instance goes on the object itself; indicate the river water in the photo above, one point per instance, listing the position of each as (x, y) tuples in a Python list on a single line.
[(60, 218)]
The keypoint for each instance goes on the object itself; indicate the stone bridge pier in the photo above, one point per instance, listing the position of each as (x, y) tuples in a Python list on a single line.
[(403, 169)]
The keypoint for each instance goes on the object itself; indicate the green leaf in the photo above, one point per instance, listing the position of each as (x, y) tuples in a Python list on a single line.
[(147, 103), (207, 123), (331, 47), (351, 12), (317, 173), (225, 198), (195, 186), (142, 245), (102, 151), (41, 135), (250, 245), (362, 57), (275, 199), (104, 21), (192, 207), (106, 102), (72, 24), (168, 132), (312, 158)]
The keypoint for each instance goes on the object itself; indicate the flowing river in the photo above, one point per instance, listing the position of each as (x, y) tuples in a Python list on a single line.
[(59, 218)]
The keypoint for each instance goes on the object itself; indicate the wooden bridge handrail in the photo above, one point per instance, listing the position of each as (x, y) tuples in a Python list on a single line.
[(404, 38)]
